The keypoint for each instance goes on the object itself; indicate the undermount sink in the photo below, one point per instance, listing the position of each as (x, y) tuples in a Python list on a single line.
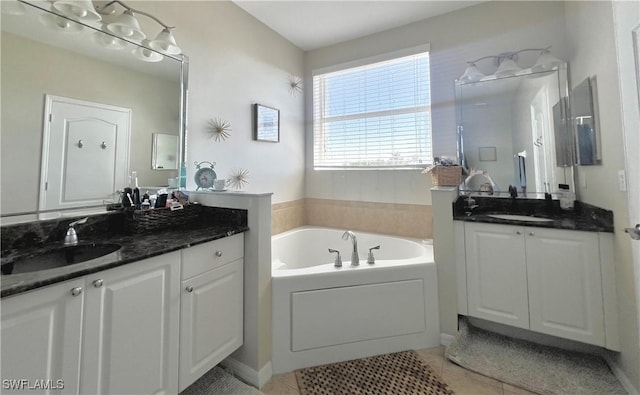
[(59, 257), (513, 217)]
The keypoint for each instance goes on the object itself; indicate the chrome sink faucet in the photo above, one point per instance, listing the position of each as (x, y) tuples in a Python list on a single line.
[(71, 237), (355, 259)]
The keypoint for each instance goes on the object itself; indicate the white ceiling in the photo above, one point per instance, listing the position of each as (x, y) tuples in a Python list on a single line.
[(312, 24)]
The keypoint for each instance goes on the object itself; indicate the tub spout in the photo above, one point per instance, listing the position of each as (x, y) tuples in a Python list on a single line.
[(355, 259)]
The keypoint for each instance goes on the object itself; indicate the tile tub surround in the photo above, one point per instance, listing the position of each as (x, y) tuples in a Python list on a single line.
[(583, 216), (31, 238), (288, 215), (405, 220)]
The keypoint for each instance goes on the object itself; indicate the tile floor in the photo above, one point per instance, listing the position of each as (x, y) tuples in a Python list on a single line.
[(460, 380)]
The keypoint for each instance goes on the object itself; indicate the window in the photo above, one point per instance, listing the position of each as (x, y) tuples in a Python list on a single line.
[(376, 115)]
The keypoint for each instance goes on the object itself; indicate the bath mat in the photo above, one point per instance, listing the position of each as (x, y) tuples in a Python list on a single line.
[(536, 368), (398, 374), (217, 381)]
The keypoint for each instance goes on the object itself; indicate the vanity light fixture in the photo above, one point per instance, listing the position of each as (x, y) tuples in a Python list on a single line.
[(128, 27), (80, 10), (507, 65), (472, 74), (546, 61)]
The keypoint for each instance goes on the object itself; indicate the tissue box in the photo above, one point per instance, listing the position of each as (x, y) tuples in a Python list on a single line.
[(445, 176)]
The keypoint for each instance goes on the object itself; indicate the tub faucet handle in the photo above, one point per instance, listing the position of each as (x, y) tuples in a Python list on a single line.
[(338, 262), (370, 258)]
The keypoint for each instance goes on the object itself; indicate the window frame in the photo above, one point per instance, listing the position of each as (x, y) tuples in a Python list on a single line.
[(389, 56)]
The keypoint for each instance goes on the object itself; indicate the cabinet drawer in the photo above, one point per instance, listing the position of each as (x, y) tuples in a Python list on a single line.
[(204, 257)]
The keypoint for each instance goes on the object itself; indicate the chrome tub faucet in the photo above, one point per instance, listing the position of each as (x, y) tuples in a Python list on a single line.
[(355, 259)]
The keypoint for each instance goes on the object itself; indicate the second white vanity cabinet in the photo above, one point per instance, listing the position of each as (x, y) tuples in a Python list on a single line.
[(546, 280), (211, 318)]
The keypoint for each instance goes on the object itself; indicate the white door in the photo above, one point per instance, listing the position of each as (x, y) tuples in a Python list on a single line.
[(627, 29), (131, 329), (85, 153), (40, 338), (565, 284), (211, 320), (497, 273)]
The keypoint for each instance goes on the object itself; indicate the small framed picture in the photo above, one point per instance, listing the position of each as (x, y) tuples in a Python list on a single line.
[(266, 121)]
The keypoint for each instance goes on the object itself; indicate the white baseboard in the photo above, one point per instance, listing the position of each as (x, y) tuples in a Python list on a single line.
[(248, 374), (622, 377), (446, 339)]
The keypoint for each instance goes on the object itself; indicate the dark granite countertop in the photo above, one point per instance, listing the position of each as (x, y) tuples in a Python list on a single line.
[(20, 242), (583, 216)]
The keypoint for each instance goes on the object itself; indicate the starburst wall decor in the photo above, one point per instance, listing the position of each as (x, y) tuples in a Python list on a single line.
[(295, 85), (238, 178), (219, 129)]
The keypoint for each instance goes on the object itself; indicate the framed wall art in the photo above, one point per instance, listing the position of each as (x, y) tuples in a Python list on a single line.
[(266, 121)]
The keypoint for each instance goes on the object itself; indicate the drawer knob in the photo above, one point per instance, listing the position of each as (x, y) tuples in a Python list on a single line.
[(518, 232), (76, 291), (532, 234), (219, 254), (98, 283), (189, 288)]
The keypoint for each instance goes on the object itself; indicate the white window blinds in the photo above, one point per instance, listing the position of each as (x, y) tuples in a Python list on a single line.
[(374, 116)]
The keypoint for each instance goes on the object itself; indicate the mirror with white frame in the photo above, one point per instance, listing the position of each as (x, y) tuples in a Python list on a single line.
[(513, 131), (46, 56)]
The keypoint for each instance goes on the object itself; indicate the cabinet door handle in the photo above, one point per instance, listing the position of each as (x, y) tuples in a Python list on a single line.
[(219, 254), (532, 234), (189, 288), (98, 283), (518, 232), (76, 291)]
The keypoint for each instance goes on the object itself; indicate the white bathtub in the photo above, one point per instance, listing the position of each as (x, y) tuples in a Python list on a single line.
[(323, 314)]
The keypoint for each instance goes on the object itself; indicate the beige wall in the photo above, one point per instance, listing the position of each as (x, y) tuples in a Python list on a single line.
[(455, 38), (31, 69), (590, 32)]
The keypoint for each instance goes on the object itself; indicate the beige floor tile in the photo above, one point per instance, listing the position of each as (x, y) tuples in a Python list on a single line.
[(513, 390), (284, 384), (434, 357), (465, 382)]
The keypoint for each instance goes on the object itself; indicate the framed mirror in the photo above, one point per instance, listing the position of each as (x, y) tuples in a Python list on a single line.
[(514, 131), (164, 151), (266, 123), (585, 123), (44, 53)]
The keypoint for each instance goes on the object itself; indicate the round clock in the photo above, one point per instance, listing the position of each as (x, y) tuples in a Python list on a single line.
[(205, 176)]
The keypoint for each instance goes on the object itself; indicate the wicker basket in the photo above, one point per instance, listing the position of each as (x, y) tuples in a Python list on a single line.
[(139, 221), (446, 176)]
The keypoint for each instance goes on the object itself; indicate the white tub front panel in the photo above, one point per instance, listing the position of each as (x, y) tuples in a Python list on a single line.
[(336, 316)]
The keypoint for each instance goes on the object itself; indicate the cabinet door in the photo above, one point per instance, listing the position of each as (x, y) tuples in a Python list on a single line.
[(496, 273), (131, 328), (565, 284), (40, 337), (210, 320)]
